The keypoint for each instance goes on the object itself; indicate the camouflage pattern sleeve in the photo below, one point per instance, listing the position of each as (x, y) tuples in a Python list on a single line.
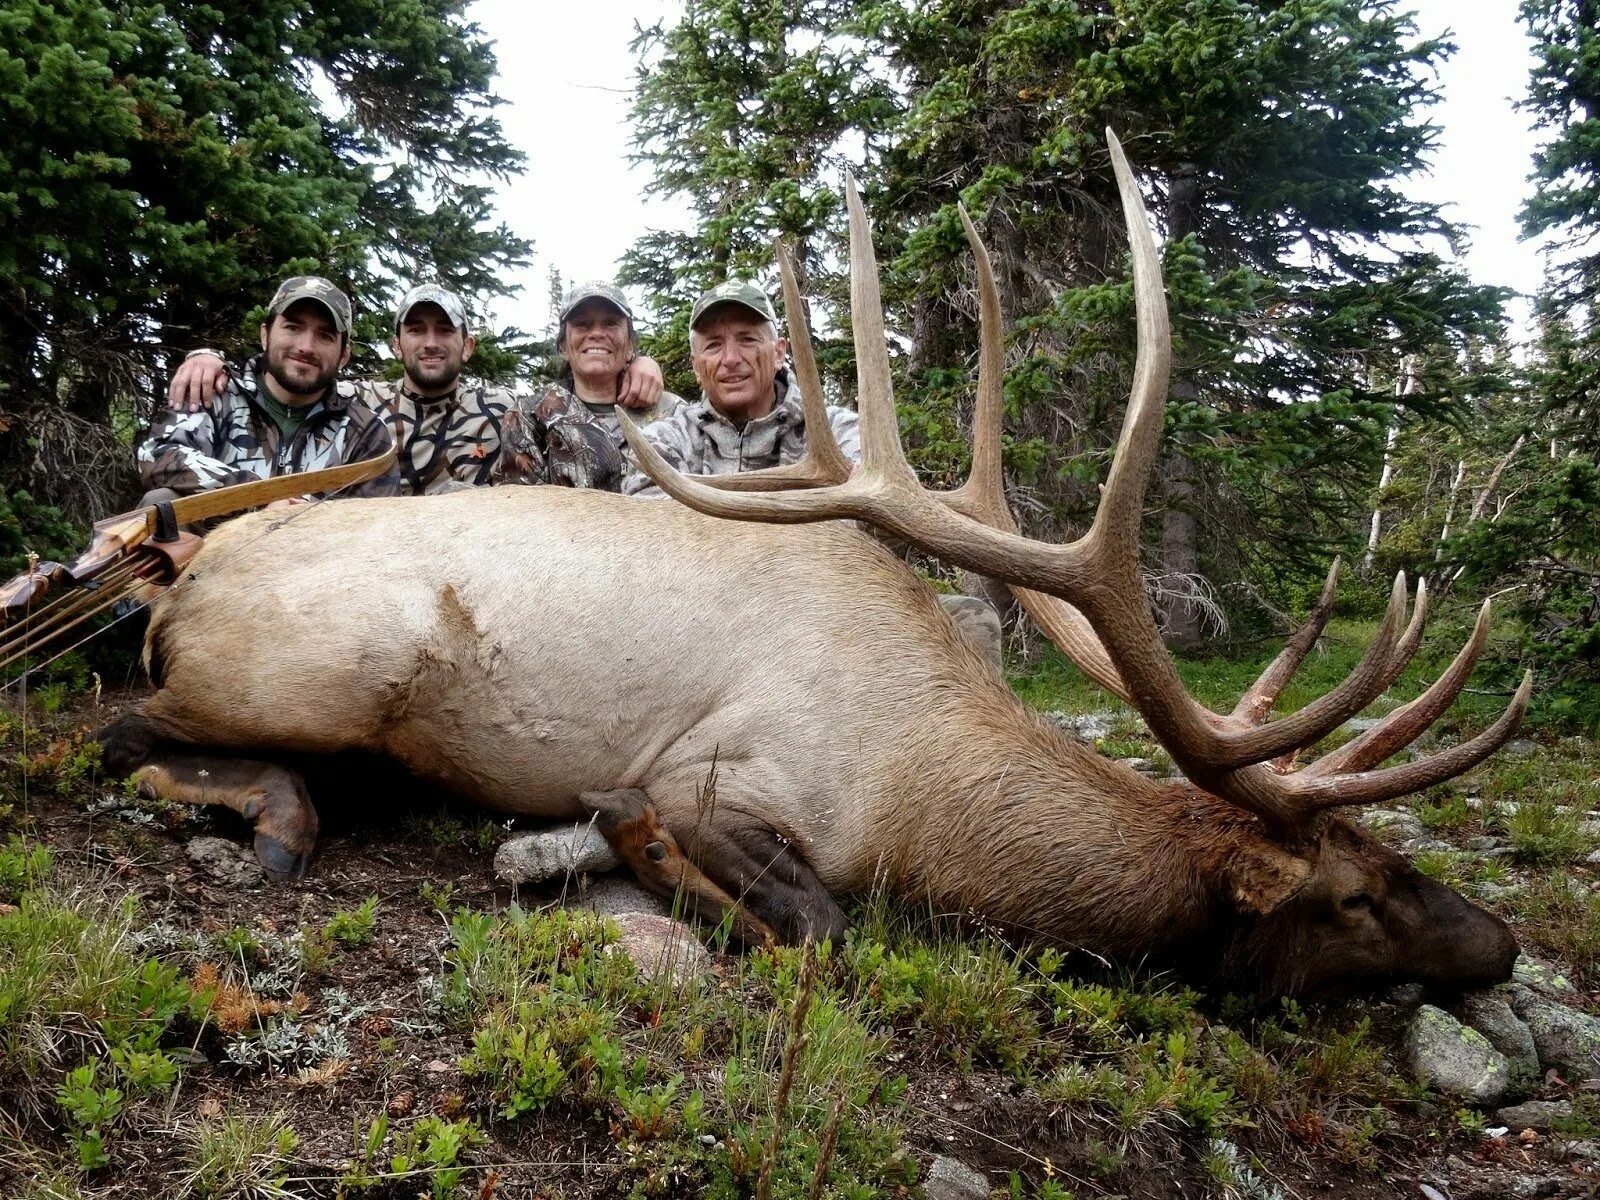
[(846, 426), (371, 438), (673, 438), (181, 452)]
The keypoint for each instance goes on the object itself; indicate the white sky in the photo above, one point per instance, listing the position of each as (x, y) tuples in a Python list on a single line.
[(566, 75)]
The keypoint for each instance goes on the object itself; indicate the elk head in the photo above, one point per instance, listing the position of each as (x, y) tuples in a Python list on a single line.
[(1321, 900)]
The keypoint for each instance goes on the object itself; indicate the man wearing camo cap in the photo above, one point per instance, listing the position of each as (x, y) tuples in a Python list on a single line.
[(750, 416), (282, 412), (447, 425)]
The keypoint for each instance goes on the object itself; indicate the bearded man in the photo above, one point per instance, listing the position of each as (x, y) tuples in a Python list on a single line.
[(282, 412)]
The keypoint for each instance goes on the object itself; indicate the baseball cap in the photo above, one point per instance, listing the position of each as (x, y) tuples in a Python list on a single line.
[(595, 289), (734, 291), (432, 293), (312, 287)]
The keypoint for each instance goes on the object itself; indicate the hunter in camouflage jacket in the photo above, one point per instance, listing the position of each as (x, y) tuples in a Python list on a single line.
[(232, 440), (698, 440), (441, 438)]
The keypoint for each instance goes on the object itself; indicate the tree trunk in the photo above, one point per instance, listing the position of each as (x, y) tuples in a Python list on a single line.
[(1180, 531)]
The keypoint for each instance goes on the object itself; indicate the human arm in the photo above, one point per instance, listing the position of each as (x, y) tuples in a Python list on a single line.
[(369, 437), (198, 380), (183, 452), (642, 383)]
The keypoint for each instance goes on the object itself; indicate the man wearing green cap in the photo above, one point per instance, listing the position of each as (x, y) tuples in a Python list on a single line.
[(449, 426), (280, 413), (749, 416)]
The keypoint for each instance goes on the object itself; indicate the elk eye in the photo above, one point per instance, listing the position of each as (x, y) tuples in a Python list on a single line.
[(655, 851), (1359, 902)]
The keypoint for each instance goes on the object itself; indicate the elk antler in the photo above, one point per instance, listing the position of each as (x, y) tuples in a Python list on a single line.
[(1088, 594)]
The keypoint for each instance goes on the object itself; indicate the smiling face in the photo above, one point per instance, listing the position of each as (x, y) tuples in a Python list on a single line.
[(433, 348), (736, 355), (304, 352), (596, 340)]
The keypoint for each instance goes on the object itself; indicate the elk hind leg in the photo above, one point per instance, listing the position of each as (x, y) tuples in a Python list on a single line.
[(754, 877), (271, 797)]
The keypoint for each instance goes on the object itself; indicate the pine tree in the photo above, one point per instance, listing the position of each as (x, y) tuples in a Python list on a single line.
[(166, 164)]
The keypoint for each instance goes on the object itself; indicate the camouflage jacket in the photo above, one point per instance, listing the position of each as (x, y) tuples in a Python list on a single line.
[(698, 440), (528, 454), (606, 416), (232, 440), (442, 438)]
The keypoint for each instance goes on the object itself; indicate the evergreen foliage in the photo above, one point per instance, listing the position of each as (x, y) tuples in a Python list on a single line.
[(1273, 141), (166, 164)]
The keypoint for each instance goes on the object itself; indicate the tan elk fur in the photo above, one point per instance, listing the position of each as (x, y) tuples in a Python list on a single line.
[(518, 658)]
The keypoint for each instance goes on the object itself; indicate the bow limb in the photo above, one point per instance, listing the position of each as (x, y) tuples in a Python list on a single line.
[(116, 537)]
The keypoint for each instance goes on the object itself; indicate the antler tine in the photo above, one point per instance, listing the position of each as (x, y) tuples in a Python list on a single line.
[(1403, 726), (880, 427), (1257, 702), (982, 496), (1412, 637), (823, 462), (1372, 787)]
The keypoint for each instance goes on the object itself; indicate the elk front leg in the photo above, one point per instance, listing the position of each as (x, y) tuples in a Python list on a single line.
[(779, 896), (272, 798)]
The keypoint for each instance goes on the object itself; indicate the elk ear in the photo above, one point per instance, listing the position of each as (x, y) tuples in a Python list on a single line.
[(1263, 876)]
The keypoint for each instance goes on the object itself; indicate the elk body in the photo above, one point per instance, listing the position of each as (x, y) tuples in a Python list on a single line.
[(552, 653)]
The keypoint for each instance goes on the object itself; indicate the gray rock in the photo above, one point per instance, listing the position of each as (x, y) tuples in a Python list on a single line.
[(1592, 859), (1492, 891), (1429, 1192), (1458, 1061), (1538, 1115), (1087, 726), (1360, 725), (950, 1179), (1533, 1187), (1426, 844), (227, 861), (1566, 1039), (552, 853), (619, 897), (1541, 977), (1490, 1014), (978, 623), (1483, 843), (1394, 824), (1518, 748), (663, 950), (1405, 995)]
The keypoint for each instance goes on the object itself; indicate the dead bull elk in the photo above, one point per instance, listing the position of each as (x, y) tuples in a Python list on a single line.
[(500, 645)]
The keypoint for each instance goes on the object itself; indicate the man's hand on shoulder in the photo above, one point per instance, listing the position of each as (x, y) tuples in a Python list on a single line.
[(200, 378), (642, 383)]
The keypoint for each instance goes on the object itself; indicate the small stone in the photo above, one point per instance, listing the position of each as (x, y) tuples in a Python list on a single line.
[(1540, 1115), (1491, 891), (1490, 1014), (553, 853), (1394, 824), (618, 897), (1405, 995), (1482, 844), (227, 861), (1518, 748), (1455, 1059), (1541, 977), (1592, 859), (1565, 1039), (1533, 1187), (438, 1067), (951, 1179), (1430, 1192), (1427, 844), (662, 950)]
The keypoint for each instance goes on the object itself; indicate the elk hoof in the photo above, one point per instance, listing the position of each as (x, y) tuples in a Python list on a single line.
[(277, 860)]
